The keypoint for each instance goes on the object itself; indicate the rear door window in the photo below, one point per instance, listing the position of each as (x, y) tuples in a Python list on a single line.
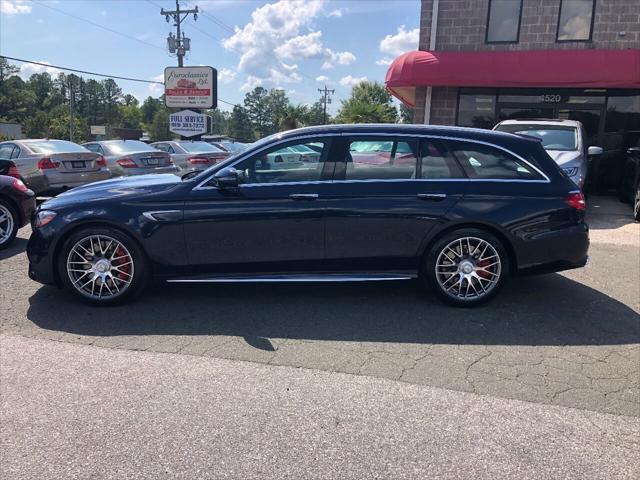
[(437, 162), (370, 158), (481, 161)]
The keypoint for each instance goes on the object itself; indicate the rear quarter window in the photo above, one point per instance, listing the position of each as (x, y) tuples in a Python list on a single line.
[(481, 161)]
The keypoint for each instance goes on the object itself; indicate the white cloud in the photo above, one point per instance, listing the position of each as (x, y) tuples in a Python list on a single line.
[(322, 79), (28, 69), (226, 75), (281, 32), (337, 13), (401, 42), (350, 81), (103, 13), (155, 88), (13, 7), (384, 61)]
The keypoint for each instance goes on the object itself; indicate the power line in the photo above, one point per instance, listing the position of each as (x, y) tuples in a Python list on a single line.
[(130, 79), (82, 71), (130, 37)]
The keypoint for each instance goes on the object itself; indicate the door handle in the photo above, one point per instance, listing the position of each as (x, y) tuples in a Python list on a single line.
[(435, 197), (303, 196)]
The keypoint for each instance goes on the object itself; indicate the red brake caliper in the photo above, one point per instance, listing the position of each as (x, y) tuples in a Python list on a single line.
[(124, 271), (483, 264)]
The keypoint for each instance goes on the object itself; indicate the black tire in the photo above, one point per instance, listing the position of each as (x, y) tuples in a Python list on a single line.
[(140, 266), (501, 272), (636, 204), (8, 209)]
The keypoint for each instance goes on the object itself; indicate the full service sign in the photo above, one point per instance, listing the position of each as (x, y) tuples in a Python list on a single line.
[(191, 87), (188, 123)]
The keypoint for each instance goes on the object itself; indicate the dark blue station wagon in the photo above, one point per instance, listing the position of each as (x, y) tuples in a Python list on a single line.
[(462, 209)]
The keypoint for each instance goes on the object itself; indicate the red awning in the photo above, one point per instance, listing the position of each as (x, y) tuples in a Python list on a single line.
[(532, 68)]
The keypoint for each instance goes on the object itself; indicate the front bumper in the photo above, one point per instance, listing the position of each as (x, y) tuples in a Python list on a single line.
[(40, 255)]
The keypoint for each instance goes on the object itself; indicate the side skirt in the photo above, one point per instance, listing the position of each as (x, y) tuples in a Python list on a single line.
[(296, 277)]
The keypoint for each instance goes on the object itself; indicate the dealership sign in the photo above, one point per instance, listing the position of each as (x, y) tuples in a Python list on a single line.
[(188, 123), (191, 87)]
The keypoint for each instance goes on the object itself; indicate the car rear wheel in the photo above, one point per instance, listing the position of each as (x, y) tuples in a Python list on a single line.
[(8, 224), (466, 267), (103, 266)]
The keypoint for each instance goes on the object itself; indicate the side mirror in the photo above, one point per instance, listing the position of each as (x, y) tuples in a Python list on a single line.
[(593, 150), (228, 177)]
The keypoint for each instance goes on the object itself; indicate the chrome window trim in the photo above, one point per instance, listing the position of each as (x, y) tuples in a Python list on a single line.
[(418, 136)]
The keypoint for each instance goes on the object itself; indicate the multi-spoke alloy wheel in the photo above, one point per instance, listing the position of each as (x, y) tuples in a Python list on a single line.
[(7, 225), (100, 267), (468, 268)]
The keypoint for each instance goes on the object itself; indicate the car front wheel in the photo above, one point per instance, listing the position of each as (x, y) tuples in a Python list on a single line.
[(103, 266), (466, 267)]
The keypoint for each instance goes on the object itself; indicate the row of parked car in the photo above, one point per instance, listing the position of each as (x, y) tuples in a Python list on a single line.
[(49, 166)]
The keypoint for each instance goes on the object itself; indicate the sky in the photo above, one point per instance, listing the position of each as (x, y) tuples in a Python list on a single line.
[(296, 45)]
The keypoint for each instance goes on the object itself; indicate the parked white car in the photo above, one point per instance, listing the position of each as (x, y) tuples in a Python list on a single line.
[(564, 141)]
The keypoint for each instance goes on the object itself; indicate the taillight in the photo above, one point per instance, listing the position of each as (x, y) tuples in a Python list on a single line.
[(19, 185), (198, 160), (46, 164), (576, 200), (127, 163), (101, 161), (13, 172)]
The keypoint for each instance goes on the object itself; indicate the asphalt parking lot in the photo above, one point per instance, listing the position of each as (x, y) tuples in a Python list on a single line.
[(570, 339)]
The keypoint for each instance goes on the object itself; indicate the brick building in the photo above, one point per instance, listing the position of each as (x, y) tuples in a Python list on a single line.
[(599, 85)]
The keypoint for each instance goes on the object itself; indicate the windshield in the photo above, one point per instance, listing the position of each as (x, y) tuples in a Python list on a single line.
[(553, 138), (128, 146), (199, 147), (214, 168), (234, 147), (55, 146)]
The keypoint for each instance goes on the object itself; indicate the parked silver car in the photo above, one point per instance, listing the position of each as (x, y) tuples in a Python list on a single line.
[(190, 155), (564, 141), (52, 166), (233, 147), (132, 157)]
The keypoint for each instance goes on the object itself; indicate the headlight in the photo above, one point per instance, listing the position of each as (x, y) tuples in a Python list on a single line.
[(43, 217), (571, 171)]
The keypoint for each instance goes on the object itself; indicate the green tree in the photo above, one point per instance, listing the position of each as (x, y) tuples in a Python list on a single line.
[(130, 116), (59, 125), (159, 127), (315, 115), (17, 100), (258, 109), (112, 96), (129, 100), (37, 126), (219, 121), (240, 125), (406, 114), (149, 108), (6, 69), (369, 103), (293, 117)]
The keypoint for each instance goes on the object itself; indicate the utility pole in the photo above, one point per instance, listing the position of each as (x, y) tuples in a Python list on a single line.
[(179, 44), (325, 99), (70, 110)]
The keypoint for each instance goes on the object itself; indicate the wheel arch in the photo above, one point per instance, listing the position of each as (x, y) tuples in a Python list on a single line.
[(13, 204), (492, 229)]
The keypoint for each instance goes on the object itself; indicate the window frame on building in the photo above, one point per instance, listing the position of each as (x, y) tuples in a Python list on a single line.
[(486, 30), (593, 17)]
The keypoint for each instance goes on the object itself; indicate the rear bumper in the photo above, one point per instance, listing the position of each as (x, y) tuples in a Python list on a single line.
[(558, 250), (58, 182)]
